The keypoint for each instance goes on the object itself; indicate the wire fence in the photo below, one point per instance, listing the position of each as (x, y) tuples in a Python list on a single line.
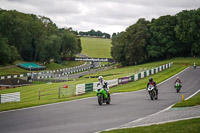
[(62, 92)]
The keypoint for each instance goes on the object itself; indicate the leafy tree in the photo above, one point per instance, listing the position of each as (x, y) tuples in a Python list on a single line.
[(187, 30), (117, 49), (163, 41), (51, 49), (138, 36), (14, 55), (113, 35), (130, 47), (94, 33), (34, 37), (79, 45), (4, 51), (8, 53), (69, 44)]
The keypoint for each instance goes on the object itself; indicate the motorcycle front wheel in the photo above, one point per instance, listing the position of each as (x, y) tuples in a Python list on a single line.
[(151, 93), (100, 99)]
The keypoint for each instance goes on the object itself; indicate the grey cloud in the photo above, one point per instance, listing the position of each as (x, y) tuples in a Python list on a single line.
[(107, 15)]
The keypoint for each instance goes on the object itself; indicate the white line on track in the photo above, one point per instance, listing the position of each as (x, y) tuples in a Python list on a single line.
[(156, 123), (161, 110)]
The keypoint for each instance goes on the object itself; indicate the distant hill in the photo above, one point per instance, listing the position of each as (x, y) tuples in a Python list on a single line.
[(96, 47)]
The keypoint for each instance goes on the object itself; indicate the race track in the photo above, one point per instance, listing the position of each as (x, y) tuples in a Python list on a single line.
[(86, 116)]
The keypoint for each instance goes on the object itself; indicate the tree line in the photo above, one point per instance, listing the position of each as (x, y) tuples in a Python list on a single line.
[(93, 33), (34, 38), (162, 38)]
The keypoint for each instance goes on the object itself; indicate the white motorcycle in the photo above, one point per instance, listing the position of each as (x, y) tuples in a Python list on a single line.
[(152, 92)]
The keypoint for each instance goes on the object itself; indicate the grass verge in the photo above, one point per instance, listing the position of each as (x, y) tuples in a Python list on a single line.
[(114, 72), (29, 94), (141, 84), (195, 100), (183, 126)]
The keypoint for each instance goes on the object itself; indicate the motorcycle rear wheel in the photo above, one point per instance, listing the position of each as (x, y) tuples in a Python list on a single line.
[(109, 100), (156, 97)]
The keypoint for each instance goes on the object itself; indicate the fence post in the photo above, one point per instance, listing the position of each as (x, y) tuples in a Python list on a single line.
[(65, 91), (59, 92), (72, 89), (39, 94)]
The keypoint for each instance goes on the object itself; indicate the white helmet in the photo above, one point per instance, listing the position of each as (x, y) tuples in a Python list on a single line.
[(100, 78), (177, 77)]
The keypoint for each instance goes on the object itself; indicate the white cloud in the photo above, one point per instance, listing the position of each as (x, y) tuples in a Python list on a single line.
[(105, 15)]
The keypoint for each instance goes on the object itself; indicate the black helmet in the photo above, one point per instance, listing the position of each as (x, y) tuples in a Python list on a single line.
[(150, 79)]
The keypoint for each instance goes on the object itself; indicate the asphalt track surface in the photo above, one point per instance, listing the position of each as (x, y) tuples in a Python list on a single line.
[(86, 116)]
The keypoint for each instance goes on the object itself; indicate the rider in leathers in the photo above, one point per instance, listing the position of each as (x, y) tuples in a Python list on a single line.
[(178, 80), (103, 83), (151, 82)]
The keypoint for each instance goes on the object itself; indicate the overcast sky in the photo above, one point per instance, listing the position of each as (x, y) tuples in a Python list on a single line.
[(104, 15)]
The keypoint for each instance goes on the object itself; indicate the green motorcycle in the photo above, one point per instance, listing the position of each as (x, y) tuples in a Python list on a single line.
[(177, 86), (103, 96)]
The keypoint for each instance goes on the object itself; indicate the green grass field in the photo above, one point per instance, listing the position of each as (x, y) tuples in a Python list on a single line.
[(96, 47), (29, 94), (14, 70), (184, 126)]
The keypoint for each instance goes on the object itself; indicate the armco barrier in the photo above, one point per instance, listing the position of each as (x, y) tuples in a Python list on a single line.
[(124, 80), (136, 77), (142, 74), (146, 73), (132, 77), (80, 89), (40, 77), (84, 88), (88, 87), (10, 97), (150, 72), (139, 75), (113, 82), (95, 86)]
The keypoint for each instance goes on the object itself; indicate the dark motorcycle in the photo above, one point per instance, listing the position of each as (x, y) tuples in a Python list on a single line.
[(195, 66), (177, 86)]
